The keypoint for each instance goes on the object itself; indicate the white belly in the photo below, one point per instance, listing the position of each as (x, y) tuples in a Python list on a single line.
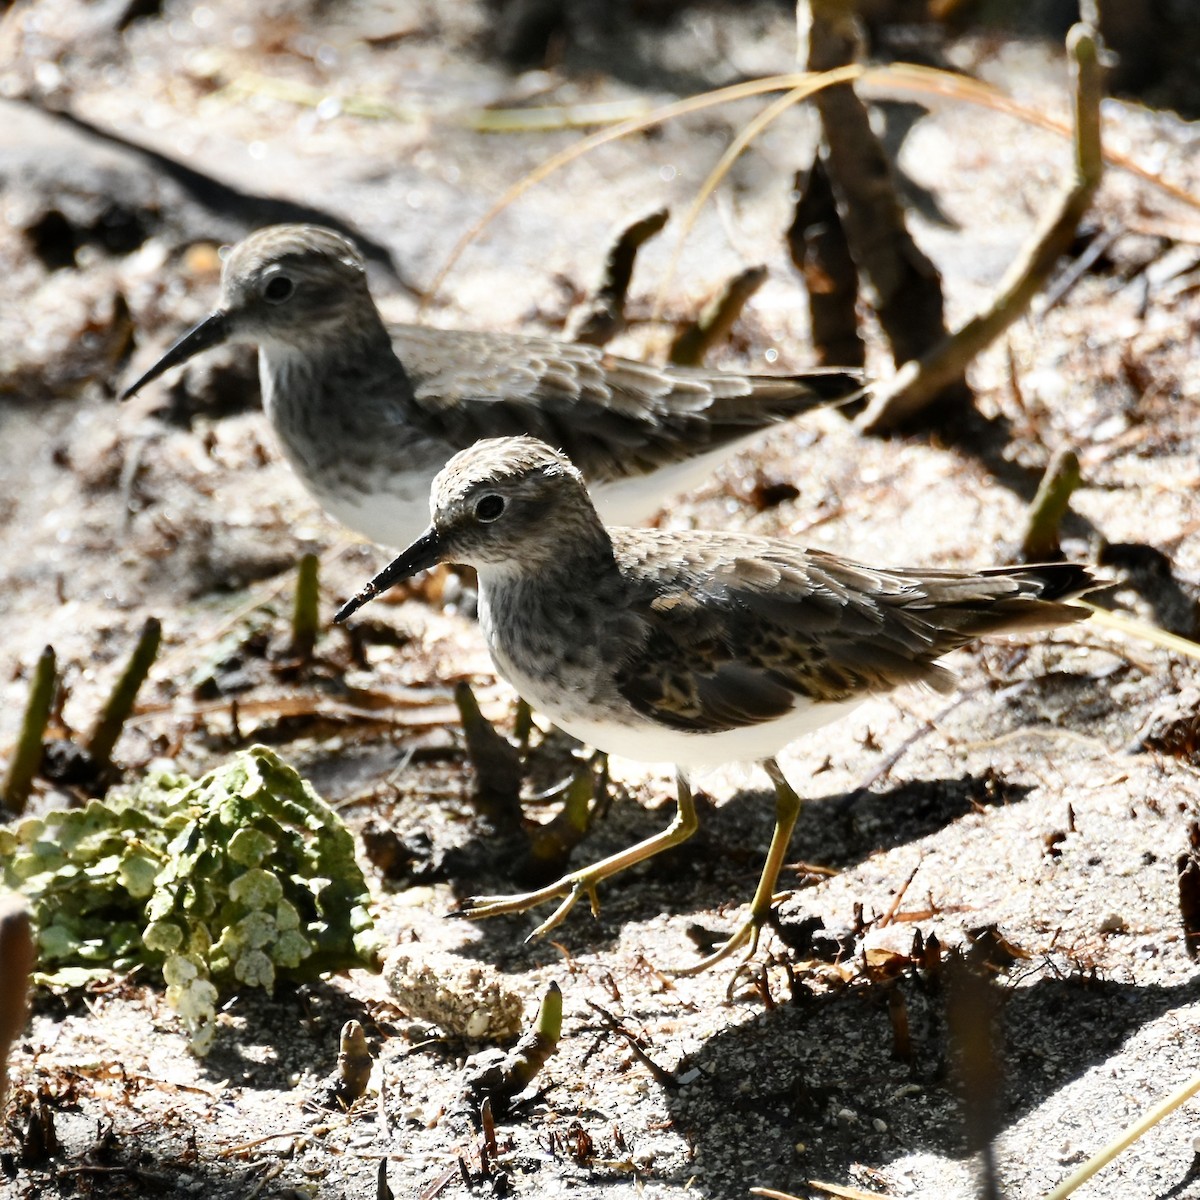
[(655, 744), (636, 501), (395, 518)]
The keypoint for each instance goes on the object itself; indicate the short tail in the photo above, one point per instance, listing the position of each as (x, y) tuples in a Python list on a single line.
[(782, 397), (1058, 581), (1043, 598), (832, 383)]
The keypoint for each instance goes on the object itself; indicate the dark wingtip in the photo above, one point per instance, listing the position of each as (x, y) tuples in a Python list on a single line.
[(1062, 581), (836, 383)]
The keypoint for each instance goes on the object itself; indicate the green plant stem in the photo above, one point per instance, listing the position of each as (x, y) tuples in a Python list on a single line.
[(307, 614), (496, 761), (354, 1062), (550, 845), (107, 729), (27, 755), (16, 961), (1049, 506), (531, 1052)]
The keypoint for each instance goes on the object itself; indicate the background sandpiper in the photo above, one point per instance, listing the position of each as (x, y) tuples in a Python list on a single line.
[(695, 648), (368, 413)]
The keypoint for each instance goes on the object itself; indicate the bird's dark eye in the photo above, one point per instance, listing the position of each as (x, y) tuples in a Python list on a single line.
[(279, 288), (489, 507)]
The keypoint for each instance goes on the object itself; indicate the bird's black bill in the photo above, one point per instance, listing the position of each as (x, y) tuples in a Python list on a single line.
[(212, 331), (424, 553)]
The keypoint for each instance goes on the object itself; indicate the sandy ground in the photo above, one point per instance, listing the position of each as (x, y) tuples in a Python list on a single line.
[(1017, 805)]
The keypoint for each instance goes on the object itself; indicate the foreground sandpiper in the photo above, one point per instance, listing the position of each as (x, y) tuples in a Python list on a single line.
[(692, 648), (368, 413)]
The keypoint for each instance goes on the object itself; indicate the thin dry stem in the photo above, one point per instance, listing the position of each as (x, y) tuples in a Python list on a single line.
[(1131, 627), (895, 81), (919, 381), (811, 85), (1126, 1139), (680, 108), (719, 316)]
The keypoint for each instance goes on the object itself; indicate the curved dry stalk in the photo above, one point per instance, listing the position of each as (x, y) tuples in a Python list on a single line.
[(909, 79), (678, 108), (831, 1189), (896, 80), (1125, 1139), (237, 83), (815, 82), (1131, 627)]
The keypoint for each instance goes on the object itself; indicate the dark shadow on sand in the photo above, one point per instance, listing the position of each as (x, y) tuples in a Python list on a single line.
[(796, 1093), (718, 865)]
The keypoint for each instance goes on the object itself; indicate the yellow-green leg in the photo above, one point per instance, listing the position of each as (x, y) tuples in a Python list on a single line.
[(583, 882), (787, 809)]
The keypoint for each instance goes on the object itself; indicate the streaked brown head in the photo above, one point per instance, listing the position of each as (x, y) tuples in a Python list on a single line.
[(501, 505), (289, 285)]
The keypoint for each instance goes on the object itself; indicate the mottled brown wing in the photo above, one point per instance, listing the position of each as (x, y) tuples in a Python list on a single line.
[(695, 670), (738, 628), (613, 417)]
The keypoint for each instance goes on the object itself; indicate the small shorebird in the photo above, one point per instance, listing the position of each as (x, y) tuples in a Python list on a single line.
[(367, 413), (693, 648)]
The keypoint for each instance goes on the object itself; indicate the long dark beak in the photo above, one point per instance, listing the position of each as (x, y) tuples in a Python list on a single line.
[(424, 553), (212, 331)]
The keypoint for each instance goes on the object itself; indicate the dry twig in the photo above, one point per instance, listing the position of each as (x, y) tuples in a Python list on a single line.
[(920, 380), (604, 317), (696, 339)]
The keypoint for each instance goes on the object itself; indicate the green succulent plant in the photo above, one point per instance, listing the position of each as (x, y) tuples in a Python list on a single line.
[(228, 881)]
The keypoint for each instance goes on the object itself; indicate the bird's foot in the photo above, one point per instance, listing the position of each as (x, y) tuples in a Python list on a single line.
[(584, 882), (571, 888), (748, 931)]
